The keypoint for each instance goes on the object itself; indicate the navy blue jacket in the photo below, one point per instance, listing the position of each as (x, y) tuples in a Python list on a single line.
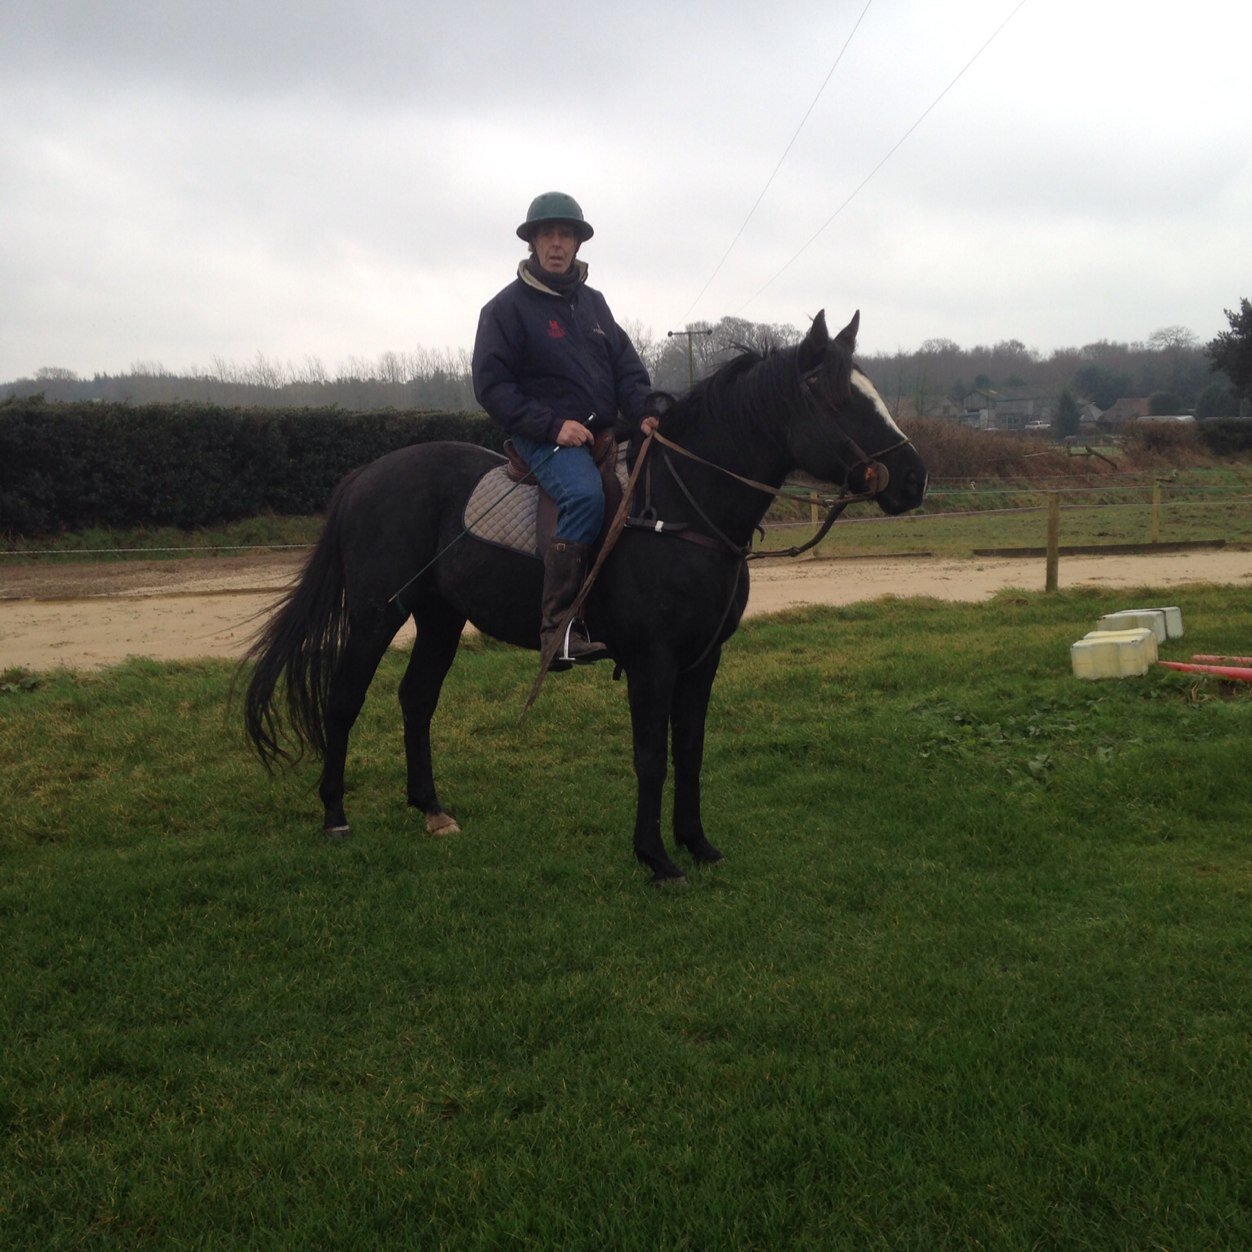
[(541, 359)]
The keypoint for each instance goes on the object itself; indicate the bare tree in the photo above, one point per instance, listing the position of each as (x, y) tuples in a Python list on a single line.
[(392, 369), (1174, 344), (1172, 339), (645, 342)]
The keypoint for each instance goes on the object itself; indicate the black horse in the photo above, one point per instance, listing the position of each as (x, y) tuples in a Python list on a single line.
[(664, 602)]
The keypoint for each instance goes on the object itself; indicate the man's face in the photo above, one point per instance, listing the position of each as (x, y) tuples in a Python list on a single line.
[(555, 245)]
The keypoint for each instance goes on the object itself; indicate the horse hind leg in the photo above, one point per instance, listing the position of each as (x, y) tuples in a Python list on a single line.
[(354, 671), (439, 629)]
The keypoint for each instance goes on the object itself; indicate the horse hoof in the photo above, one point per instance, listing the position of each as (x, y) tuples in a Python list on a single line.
[(661, 881), (439, 824), (704, 853), (336, 833)]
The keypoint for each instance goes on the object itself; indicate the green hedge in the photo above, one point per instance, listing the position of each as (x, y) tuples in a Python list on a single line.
[(70, 466), (1226, 436)]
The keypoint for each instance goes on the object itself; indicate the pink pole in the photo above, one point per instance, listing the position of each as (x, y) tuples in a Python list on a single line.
[(1240, 673)]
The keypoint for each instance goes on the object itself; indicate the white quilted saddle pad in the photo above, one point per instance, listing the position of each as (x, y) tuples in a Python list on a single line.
[(503, 512)]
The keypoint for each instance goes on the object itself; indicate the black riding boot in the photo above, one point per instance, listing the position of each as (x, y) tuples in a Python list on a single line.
[(564, 568)]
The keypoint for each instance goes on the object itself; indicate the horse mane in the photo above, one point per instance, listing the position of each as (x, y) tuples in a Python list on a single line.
[(751, 387)]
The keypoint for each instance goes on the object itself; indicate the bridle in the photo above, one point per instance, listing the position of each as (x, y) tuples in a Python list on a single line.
[(873, 473)]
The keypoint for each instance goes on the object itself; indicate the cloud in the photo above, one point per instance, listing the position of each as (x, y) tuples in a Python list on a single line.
[(188, 181)]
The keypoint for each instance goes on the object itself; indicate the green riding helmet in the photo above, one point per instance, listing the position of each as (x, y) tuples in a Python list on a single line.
[(555, 206)]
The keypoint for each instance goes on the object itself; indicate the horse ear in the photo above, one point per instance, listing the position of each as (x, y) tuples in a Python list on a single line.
[(847, 336), (813, 346)]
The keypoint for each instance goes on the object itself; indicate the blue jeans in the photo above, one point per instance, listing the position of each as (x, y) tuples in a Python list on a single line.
[(570, 477)]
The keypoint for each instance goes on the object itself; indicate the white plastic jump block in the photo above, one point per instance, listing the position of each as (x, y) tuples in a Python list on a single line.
[(1114, 653), (1173, 622), (1129, 619)]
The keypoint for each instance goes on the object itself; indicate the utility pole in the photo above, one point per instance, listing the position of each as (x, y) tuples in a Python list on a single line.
[(691, 361)]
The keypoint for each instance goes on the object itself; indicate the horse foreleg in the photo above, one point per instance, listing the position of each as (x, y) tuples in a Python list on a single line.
[(353, 673), (438, 636), (650, 694), (690, 708)]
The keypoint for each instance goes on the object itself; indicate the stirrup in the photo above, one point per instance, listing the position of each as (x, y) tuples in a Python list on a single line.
[(594, 651)]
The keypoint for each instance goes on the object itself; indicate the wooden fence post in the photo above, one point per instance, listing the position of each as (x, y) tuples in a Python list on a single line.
[(1155, 533), (1054, 540)]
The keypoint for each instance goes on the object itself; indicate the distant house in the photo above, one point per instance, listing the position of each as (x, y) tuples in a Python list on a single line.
[(1124, 409), (1008, 410)]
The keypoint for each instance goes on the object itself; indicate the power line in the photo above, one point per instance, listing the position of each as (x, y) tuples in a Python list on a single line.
[(899, 142), (769, 181)]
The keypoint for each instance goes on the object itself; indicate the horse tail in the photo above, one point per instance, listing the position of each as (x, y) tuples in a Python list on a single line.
[(298, 650)]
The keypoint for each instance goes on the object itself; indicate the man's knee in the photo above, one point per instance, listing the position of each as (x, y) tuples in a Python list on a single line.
[(581, 516)]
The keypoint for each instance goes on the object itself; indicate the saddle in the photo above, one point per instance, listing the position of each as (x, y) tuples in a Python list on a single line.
[(604, 453)]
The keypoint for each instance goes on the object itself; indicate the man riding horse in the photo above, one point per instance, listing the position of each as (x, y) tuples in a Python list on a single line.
[(550, 365), (554, 369)]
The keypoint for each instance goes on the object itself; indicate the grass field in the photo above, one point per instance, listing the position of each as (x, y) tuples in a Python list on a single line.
[(1202, 505), (974, 975)]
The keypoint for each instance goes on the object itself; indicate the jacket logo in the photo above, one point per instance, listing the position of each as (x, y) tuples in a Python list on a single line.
[(596, 330), (555, 330)]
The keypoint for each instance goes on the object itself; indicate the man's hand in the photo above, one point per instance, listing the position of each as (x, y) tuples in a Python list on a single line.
[(573, 434), (649, 424)]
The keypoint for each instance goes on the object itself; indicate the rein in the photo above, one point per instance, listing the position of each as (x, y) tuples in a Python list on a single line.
[(722, 542), (875, 477), (837, 504)]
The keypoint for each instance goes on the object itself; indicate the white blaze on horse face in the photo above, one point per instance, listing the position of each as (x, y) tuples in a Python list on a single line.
[(867, 389)]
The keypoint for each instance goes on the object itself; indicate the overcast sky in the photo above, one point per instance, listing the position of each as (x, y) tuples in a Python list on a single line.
[(182, 181)]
